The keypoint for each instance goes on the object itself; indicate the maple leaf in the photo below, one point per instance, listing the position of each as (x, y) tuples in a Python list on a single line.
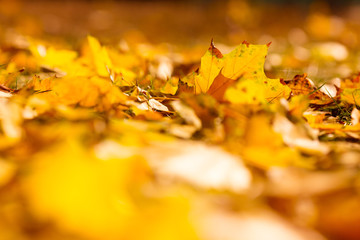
[(219, 72)]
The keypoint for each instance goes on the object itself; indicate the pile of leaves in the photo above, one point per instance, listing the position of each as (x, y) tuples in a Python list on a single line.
[(112, 142)]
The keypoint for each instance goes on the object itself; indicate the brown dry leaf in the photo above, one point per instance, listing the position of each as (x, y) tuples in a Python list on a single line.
[(301, 85)]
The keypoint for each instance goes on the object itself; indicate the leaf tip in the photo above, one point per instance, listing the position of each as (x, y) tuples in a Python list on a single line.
[(282, 81), (246, 43), (214, 50)]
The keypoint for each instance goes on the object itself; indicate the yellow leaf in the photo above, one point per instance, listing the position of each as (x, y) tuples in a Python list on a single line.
[(123, 77), (7, 171), (169, 220), (211, 64), (9, 75), (265, 157), (318, 120), (123, 60), (171, 86), (247, 63), (81, 193), (264, 147), (100, 57), (351, 95), (41, 85), (51, 57), (246, 60), (298, 105), (88, 92)]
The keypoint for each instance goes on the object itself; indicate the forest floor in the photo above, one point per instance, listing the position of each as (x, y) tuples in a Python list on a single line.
[(179, 120)]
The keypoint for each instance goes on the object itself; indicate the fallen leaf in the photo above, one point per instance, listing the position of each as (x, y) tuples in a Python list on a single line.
[(211, 64), (100, 57), (301, 85), (171, 86), (156, 105), (201, 166), (218, 72)]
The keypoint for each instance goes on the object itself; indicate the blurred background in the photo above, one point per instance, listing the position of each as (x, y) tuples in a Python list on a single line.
[(304, 34), (182, 21)]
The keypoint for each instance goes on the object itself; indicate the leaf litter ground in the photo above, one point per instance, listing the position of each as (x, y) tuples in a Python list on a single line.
[(145, 141)]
